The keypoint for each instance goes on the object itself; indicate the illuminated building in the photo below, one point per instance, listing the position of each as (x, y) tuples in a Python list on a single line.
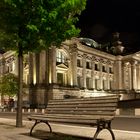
[(78, 69)]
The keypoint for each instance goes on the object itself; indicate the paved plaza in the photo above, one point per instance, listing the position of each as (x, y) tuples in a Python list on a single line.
[(8, 131)]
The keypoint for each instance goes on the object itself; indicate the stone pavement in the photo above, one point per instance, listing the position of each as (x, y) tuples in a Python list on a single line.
[(8, 131)]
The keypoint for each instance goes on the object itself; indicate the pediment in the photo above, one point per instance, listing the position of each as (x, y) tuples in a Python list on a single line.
[(62, 66)]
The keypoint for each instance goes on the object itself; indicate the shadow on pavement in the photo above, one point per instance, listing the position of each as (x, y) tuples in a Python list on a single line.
[(43, 135)]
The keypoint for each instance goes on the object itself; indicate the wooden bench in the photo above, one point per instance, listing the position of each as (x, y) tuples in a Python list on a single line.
[(96, 111)]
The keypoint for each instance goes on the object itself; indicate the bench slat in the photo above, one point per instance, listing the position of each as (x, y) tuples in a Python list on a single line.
[(70, 119), (75, 121), (97, 112), (84, 117)]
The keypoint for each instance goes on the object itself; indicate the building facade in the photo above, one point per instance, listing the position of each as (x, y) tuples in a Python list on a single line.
[(77, 69)]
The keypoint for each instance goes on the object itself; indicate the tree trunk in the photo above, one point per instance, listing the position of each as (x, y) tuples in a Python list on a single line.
[(19, 96)]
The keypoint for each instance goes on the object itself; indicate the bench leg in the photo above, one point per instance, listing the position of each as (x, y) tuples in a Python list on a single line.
[(37, 122), (104, 125)]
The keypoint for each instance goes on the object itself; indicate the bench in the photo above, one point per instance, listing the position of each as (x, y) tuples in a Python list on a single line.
[(95, 111)]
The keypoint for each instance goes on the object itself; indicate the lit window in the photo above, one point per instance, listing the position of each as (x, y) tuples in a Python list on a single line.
[(60, 57)]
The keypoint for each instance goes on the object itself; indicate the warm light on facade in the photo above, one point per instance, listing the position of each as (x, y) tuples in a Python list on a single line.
[(34, 71), (50, 79), (34, 79), (71, 81)]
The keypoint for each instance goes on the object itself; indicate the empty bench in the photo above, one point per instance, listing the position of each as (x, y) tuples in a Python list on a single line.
[(96, 111)]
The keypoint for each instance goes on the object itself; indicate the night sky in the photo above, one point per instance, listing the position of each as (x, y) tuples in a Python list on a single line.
[(104, 17)]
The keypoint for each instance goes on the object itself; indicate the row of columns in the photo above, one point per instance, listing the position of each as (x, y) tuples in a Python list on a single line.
[(38, 68), (42, 68), (135, 75), (95, 79), (39, 71), (127, 74)]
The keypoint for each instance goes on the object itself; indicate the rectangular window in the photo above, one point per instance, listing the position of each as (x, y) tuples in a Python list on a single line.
[(61, 58), (78, 63), (103, 69), (96, 67), (110, 70), (88, 65)]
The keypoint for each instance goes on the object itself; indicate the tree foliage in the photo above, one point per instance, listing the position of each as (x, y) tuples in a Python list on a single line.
[(37, 24), (9, 85), (34, 25)]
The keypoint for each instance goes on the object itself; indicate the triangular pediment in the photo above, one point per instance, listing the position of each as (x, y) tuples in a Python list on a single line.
[(62, 66)]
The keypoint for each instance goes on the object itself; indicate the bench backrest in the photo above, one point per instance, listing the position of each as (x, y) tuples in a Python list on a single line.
[(97, 107)]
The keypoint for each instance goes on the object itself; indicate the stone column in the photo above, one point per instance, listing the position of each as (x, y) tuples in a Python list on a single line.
[(101, 76), (32, 78), (133, 75), (73, 52), (69, 74), (49, 56), (42, 67), (37, 66), (92, 75), (126, 75), (129, 74), (84, 70), (108, 79), (138, 76), (118, 73), (30, 68), (53, 64), (123, 76), (75, 68), (47, 67)]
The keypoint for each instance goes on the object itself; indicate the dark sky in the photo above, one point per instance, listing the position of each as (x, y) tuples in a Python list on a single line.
[(104, 17)]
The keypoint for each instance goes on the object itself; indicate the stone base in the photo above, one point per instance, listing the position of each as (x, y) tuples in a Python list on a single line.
[(128, 112)]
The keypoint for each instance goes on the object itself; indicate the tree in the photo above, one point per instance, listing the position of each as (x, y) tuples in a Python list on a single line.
[(34, 25), (9, 85)]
